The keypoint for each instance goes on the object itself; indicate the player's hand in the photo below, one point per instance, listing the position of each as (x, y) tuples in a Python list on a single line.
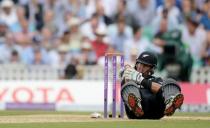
[(131, 74), (121, 72)]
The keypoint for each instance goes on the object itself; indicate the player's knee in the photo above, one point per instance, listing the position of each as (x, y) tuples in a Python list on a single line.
[(130, 87), (170, 87)]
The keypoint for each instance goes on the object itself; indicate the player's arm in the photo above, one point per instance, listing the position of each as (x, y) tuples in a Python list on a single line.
[(155, 87), (132, 74)]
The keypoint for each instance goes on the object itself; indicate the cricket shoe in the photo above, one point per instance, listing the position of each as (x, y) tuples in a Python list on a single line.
[(134, 104), (173, 103)]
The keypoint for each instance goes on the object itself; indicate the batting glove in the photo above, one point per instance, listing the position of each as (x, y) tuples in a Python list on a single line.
[(131, 74)]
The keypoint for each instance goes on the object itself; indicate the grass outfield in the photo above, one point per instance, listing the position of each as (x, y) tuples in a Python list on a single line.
[(130, 124), (40, 119)]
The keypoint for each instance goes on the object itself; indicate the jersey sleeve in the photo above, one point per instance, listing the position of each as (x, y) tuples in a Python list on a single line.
[(158, 80)]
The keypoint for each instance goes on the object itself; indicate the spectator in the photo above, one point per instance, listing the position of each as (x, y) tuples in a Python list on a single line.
[(60, 57), (76, 8), (205, 6), (109, 7), (24, 34), (173, 13), (205, 52), (162, 30), (205, 19), (76, 35), (49, 40), (3, 31), (90, 8), (99, 46), (34, 13), (172, 53), (171, 22), (122, 11), (88, 29), (7, 48), (65, 39), (54, 13), (101, 13), (50, 43), (18, 26), (8, 12), (145, 9), (65, 24), (188, 6), (193, 38), (208, 61), (35, 54), (138, 42), (50, 22), (38, 58), (119, 33), (73, 44), (199, 4), (15, 58), (87, 56), (70, 72), (69, 31)]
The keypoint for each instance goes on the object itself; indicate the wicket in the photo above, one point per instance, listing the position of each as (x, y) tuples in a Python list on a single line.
[(113, 57)]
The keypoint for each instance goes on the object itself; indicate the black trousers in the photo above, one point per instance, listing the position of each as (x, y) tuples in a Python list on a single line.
[(152, 105)]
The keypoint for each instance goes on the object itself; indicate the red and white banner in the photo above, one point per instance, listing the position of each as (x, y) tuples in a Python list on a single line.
[(64, 94), (195, 94), (70, 92), (79, 94)]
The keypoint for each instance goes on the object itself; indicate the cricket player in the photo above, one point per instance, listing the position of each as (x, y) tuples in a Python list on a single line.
[(146, 96)]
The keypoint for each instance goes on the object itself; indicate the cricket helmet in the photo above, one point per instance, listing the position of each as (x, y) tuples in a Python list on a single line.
[(147, 58)]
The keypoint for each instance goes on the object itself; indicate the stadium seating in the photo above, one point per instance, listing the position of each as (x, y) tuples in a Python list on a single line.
[(200, 75), (24, 72), (44, 72)]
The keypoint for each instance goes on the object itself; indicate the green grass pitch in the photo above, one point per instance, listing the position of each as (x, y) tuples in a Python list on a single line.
[(39, 119)]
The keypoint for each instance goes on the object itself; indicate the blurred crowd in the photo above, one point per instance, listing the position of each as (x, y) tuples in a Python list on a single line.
[(67, 33)]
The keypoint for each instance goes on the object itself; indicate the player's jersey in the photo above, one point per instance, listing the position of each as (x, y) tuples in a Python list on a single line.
[(152, 104)]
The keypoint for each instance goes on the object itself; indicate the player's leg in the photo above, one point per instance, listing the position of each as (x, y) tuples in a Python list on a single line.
[(132, 98), (173, 96)]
